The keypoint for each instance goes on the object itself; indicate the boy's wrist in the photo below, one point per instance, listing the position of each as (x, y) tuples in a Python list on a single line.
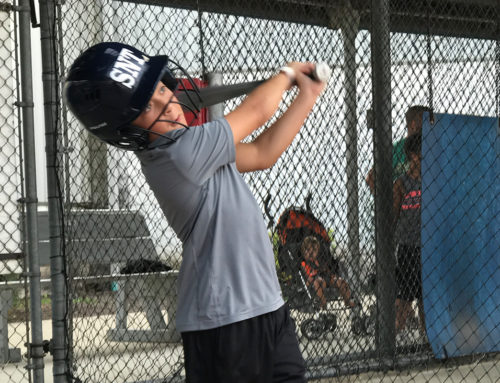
[(289, 72)]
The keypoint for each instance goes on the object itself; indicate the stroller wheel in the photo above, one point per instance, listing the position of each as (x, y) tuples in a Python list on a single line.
[(330, 321), (359, 325), (371, 319), (313, 328)]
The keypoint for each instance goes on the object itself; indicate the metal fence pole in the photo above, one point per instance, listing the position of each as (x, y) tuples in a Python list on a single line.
[(35, 349), (349, 30), (381, 67), (215, 111), (59, 335)]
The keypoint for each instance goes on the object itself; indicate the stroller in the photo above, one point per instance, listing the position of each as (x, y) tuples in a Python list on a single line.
[(293, 225)]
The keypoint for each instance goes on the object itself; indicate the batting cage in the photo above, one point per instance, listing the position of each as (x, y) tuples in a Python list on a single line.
[(392, 182)]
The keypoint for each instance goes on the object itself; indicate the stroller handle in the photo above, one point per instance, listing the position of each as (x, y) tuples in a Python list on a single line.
[(308, 202), (267, 210)]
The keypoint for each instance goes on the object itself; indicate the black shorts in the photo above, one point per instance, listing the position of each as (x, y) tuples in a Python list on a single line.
[(257, 350), (409, 272)]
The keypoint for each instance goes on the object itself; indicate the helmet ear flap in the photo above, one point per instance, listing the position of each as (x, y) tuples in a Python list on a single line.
[(133, 138)]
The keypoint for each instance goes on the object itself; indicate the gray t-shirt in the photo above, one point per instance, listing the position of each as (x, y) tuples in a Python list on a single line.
[(228, 271)]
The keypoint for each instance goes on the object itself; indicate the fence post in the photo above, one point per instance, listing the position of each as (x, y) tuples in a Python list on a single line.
[(382, 134), (349, 26), (215, 111), (35, 348), (59, 342)]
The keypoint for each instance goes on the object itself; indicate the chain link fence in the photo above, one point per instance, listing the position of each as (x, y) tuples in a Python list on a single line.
[(370, 323), (14, 303)]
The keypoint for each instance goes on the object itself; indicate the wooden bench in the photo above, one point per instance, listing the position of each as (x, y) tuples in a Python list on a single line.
[(115, 238), (112, 238), (153, 292)]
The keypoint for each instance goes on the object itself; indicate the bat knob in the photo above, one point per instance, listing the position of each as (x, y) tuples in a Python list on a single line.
[(322, 72)]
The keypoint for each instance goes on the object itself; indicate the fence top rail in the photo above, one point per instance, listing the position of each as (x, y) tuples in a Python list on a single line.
[(454, 18)]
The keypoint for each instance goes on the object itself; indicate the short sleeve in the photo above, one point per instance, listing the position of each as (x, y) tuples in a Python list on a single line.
[(398, 153), (205, 149), (399, 165)]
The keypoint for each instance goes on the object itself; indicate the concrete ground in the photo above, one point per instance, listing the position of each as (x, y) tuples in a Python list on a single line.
[(483, 372), (101, 360)]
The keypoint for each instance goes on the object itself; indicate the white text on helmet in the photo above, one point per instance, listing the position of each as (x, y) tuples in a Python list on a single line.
[(127, 68), (101, 125)]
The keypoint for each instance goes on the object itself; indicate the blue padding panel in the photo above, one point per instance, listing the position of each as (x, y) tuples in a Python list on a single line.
[(461, 234)]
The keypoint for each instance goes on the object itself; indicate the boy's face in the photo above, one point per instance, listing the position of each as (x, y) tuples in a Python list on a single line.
[(162, 114), (416, 125), (311, 252)]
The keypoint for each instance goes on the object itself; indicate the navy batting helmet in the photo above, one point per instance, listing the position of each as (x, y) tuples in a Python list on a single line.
[(109, 85)]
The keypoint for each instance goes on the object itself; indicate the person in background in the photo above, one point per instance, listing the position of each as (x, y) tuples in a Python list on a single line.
[(400, 163), (407, 193), (414, 118), (319, 276)]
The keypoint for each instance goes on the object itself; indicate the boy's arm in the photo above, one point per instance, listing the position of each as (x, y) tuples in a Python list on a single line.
[(397, 157), (370, 181), (260, 106), (397, 193)]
